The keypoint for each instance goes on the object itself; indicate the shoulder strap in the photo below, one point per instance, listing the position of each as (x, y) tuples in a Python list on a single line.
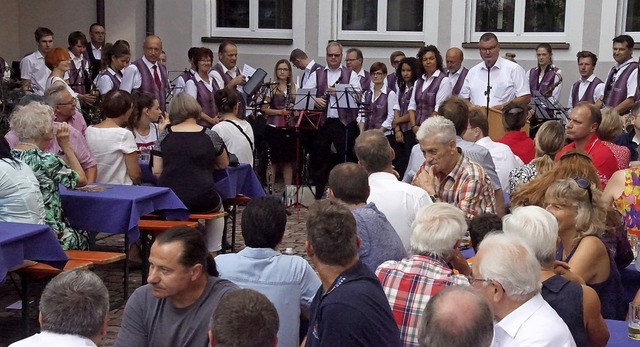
[(242, 131)]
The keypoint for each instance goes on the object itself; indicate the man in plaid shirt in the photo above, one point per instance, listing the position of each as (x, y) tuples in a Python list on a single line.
[(411, 282)]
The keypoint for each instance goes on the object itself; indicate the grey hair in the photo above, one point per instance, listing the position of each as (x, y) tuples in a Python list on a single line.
[(53, 94), (335, 43), (456, 316), (537, 227), (437, 127), (182, 107), (32, 121), (508, 261), (74, 302), (436, 229)]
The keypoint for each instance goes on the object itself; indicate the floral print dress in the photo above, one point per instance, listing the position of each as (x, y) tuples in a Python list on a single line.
[(628, 203), (51, 171)]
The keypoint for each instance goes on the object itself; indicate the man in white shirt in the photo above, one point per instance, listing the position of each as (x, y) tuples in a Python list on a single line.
[(622, 81), (33, 70), (93, 53), (589, 88), (455, 71), (506, 81), (399, 201), (300, 60), (355, 60), (74, 310), (507, 273), (503, 157), (227, 74), (146, 74)]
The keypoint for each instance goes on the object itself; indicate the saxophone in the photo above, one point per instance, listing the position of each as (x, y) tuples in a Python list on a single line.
[(547, 93)]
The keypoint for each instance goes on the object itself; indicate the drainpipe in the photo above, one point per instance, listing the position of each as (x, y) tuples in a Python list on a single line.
[(100, 12), (150, 16)]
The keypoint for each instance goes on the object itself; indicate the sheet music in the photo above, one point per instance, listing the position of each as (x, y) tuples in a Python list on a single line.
[(303, 101), (346, 96), (248, 71)]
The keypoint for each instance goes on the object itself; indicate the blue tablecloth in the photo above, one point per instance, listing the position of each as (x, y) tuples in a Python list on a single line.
[(618, 334), (238, 180), (21, 241), (117, 209)]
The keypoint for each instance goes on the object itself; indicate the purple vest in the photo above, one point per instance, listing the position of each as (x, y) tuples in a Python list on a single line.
[(277, 103), (116, 82), (588, 94), (242, 111), (458, 86), (378, 110), (618, 92), (186, 76), (391, 82), (346, 115), (365, 82), (78, 78), (426, 100), (205, 99), (315, 67), (547, 80), (148, 84), (403, 102)]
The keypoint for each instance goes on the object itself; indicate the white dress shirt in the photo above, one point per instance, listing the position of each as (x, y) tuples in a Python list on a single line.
[(131, 77), (453, 77), (503, 158), (191, 88), (180, 83), (443, 92), (598, 91), (392, 99), (534, 323), (33, 68), (332, 77), (507, 83), (398, 201), (49, 339), (97, 52), (104, 82)]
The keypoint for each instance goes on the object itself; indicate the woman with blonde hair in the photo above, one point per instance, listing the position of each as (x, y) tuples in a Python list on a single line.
[(608, 130), (578, 207)]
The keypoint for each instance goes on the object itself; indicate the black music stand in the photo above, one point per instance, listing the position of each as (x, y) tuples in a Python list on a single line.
[(545, 109)]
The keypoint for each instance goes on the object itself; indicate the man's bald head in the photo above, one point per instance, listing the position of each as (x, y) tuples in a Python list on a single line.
[(373, 151), (454, 58), (349, 183), (152, 48)]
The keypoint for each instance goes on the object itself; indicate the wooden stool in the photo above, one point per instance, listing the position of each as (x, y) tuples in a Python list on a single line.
[(102, 258), (231, 207), (41, 271)]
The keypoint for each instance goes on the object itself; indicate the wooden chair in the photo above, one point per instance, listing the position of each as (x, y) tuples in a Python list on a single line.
[(231, 207)]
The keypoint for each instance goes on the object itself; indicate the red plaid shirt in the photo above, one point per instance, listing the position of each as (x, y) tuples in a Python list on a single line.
[(409, 284)]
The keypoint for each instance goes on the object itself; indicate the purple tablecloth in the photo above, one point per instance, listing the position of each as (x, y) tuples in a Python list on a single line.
[(117, 209), (618, 336), (238, 180), (21, 241)]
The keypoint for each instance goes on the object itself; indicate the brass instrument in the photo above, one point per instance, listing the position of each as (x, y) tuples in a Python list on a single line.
[(547, 93)]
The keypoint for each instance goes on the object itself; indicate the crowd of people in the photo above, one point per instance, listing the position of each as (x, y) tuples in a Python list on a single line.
[(400, 179)]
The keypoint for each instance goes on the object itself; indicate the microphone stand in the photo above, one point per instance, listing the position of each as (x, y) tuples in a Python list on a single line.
[(488, 91)]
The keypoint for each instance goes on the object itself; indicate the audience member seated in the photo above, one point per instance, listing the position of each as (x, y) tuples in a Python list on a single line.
[(379, 242), (398, 201), (481, 225), (34, 127), (411, 282), (247, 318), (350, 308), (507, 273), (548, 141), (447, 175), (20, 197), (234, 130), (146, 122), (610, 128), (287, 280), (631, 137), (114, 146), (183, 290), (184, 158), (456, 317), (74, 311), (578, 207), (514, 118), (539, 230), (622, 192)]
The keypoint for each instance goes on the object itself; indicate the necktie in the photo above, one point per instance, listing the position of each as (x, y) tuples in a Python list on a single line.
[(156, 77)]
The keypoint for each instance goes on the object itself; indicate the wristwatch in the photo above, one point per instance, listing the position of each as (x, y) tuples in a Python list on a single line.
[(433, 197)]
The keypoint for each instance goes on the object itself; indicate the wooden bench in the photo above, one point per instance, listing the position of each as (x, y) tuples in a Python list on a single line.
[(103, 258), (231, 207)]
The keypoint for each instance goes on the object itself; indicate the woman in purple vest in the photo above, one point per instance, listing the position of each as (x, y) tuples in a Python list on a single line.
[(115, 58), (407, 73), (545, 75), (202, 87), (281, 140), (380, 102), (430, 90)]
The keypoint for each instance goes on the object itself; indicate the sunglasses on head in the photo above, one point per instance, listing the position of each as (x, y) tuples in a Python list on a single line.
[(585, 184)]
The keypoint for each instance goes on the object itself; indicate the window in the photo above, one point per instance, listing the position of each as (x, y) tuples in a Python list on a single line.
[(632, 17), (520, 19), (381, 19), (270, 18)]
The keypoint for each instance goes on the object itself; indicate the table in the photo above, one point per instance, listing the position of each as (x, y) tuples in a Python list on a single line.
[(21, 241), (236, 180), (630, 281), (618, 334)]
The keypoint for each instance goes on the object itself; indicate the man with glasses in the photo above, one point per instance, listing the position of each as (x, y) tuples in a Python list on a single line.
[(354, 61), (455, 71), (392, 81), (146, 74), (505, 79), (583, 124), (507, 274), (589, 88), (622, 81)]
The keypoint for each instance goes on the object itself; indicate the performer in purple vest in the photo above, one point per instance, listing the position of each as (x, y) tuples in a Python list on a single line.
[(300, 60), (227, 74), (622, 81), (455, 71), (188, 74), (430, 90), (93, 52), (543, 77), (407, 73), (355, 60), (339, 128), (589, 88), (146, 74), (202, 87), (116, 59), (79, 74), (395, 58), (380, 101)]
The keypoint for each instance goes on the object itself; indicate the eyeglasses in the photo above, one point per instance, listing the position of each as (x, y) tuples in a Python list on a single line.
[(585, 184), (472, 280), (395, 62), (72, 102), (283, 69), (334, 55)]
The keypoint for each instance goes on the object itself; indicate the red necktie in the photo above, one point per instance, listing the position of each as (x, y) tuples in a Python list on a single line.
[(156, 77)]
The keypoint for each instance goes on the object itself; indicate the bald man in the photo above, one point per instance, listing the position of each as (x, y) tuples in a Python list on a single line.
[(455, 71), (146, 74)]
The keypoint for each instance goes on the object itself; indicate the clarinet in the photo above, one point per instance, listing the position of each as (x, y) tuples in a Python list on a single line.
[(326, 95)]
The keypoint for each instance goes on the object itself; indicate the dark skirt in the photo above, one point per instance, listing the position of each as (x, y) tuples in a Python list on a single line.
[(282, 144)]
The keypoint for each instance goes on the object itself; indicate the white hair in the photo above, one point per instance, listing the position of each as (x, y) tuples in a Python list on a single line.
[(437, 127), (537, 227), (508, 261), (436, 229), (32, 121)]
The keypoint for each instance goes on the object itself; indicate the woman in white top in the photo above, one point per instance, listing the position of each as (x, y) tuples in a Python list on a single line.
[(115, 59), (236, 132), (202, 87), (146, 123), (112, 145)]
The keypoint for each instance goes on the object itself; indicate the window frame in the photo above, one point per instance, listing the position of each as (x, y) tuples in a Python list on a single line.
[(518, 34), (253, 30), (622, 21)]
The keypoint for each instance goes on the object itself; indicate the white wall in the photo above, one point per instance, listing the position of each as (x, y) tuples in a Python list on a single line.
[(10, 42)]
